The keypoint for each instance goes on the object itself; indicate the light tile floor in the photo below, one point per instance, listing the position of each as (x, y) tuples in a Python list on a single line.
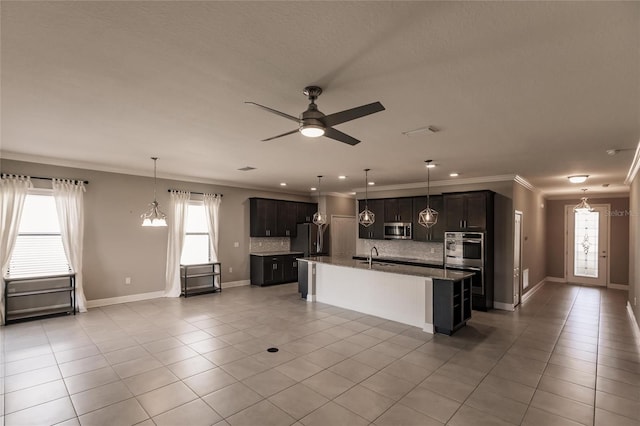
[(568, 356)]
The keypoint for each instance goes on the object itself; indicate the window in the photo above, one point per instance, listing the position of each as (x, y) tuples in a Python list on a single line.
[(196, 241), (586, 244), (38, 250)]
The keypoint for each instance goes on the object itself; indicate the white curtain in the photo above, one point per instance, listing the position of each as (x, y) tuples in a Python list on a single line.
[(177, 223), (13, 192), (69, 196), (212, 212)]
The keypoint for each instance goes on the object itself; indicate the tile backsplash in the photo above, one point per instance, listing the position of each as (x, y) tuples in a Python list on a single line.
[(409, 249), (264, 245)]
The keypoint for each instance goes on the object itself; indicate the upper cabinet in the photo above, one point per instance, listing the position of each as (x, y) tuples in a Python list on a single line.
[(398, 209), (277, 218), (468, 211), (375, 231), (436, 232)]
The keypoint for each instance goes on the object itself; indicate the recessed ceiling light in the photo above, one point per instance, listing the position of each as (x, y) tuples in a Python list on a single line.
[(283, 183), (371, 183), (578, 178), (454, 174), (612, 152), (352, 193), (342, 177), (314, 188)]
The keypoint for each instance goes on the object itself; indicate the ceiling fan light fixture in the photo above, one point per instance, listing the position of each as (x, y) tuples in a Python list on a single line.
[(312, 130)]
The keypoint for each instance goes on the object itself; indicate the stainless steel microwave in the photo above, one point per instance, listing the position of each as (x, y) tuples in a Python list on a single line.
[(397, 231)]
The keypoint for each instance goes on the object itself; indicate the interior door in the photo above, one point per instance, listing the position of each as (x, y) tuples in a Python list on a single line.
[(517, 259), (587, 246), (343, 228)]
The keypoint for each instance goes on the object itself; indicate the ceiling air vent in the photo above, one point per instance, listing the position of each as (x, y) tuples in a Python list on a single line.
[(246, 168)]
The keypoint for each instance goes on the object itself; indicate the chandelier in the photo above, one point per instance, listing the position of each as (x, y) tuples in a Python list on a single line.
[(319, 218), (583, 206), (428, 217), (366, 217), (153, 216)]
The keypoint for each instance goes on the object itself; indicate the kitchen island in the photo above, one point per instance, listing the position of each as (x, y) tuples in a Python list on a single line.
[(401, 293)]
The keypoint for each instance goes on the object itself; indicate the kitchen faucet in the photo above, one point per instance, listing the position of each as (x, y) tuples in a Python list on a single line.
[(371, 254)]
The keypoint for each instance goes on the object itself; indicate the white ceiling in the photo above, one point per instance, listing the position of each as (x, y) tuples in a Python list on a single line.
[(538, 89)]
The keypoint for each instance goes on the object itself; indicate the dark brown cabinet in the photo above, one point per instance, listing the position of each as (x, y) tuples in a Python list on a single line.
[(436, 232), (468, 211), (287, 215), (263, 214), (375, 231), (277, 218), (274, 269), (398, 209), (451, 304), (305, 212)]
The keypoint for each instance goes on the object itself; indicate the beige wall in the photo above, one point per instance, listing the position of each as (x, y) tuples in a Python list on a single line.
[(116, 246), (634, 246), (531, 204), (340, 206), (619, 236)]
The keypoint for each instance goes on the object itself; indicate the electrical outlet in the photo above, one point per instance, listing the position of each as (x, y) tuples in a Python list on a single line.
[(260, 244), (236, 244), (230, 269), (433, 250), (127, 281), (282, 243)]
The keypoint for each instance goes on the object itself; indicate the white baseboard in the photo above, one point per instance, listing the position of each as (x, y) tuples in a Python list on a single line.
[(124, 299), (618, 286), (556, 280), (428, 328), (530, 293), (633, 319), (503, 306), (231, 284)]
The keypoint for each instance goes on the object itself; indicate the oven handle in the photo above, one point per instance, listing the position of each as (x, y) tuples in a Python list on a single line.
[(471, 268), (472, 241)]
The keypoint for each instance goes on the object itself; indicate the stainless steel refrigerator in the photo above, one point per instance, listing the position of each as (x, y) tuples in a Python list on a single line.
[(308, 241)]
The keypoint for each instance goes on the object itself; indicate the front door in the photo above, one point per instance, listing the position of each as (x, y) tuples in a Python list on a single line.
[(587, 245)]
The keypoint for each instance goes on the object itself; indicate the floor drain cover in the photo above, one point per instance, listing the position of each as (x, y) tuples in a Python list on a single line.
[(272, 350)]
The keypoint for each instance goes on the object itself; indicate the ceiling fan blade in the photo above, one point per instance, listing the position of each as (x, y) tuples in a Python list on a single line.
[(351, 114), (339, 136), (279, 136), (281, 114)]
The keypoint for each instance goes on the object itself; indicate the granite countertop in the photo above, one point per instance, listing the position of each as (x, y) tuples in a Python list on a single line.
[(392, 268), (406, 260), (276, 253)]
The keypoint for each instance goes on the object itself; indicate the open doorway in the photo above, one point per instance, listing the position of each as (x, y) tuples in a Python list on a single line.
[(517, 259), (587, 246)]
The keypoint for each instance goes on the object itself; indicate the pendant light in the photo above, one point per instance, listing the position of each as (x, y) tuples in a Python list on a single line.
[(428, 217), (583, 206), (153, 216), (366, 217), (319, 218)]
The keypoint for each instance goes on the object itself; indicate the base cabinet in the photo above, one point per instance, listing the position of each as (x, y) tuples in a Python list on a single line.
[(274, 269), (451, 305)]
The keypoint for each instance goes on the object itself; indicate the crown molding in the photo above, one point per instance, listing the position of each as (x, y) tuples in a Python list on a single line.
[(523, 182), (443, 183), (635, 167), (134, 172)]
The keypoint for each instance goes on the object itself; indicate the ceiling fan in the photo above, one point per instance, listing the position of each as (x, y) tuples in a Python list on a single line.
[(313, 123)]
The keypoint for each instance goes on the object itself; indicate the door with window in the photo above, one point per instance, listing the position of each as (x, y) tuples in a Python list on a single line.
[(587, 246)]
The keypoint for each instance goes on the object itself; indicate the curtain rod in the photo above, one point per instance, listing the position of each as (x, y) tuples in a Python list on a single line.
[(193, 192), (86, 182)]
